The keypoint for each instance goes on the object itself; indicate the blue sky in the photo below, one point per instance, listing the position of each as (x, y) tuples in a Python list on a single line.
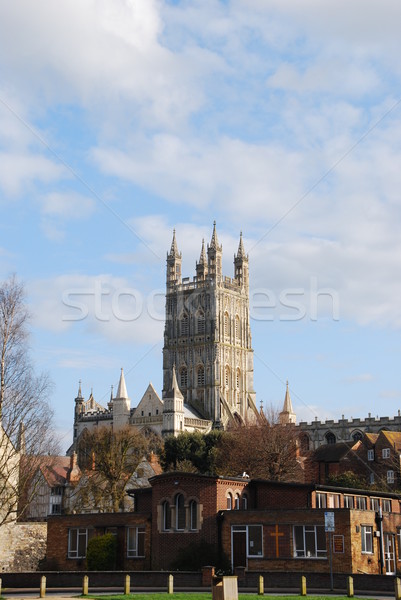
[(122, 120)]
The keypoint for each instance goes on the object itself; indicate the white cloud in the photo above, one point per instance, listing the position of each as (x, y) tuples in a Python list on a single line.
[(102, 304), (19, 171), (67, 205)]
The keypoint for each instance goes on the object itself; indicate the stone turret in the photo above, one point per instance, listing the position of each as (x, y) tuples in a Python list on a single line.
[(174, 260), (287, 415), (173, 411), (121, 404)]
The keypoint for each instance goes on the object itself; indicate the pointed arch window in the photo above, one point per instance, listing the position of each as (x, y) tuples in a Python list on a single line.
[(184, 324), (179, 512), (236, 502), (229, 501), (183, 377), (166, 516), (193, 514), (244, 501), (330, 438), (237, 330), (200, 323), (226, 325), (201, 375)]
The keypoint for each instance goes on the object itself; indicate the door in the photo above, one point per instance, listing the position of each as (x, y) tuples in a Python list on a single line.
[(389, 553), (239, 548)]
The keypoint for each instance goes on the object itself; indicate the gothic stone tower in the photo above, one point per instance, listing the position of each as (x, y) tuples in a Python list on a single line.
[(207, 336)]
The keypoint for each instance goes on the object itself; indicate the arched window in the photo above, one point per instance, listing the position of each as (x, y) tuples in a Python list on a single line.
[(244, 502), (237, 331), (193, 514), (330, 438), (200, 323), (229, 501), (356, 436), (227, 376), (236, 502), (183, 377), (184, 324), (201, 375), (305, 442), (226, 325), (166, 516), (179, 512)]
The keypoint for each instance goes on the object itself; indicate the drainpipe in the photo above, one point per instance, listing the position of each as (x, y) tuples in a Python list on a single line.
[(379, 521)]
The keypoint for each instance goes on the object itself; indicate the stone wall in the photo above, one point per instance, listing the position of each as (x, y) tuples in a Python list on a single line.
[(22, 546)]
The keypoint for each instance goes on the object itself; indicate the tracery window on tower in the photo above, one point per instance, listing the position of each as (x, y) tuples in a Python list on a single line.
[(184, 324), (226, 325), (200, 322), (183, 377), (237, 329), (201, 375)]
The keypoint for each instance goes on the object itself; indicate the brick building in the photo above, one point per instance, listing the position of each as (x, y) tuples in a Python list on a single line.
[(256, 524), (374, 459)]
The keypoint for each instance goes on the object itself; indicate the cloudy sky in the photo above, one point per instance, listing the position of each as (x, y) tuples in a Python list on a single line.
[(123, 119)]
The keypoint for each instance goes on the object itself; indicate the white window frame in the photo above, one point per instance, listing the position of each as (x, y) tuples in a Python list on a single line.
[(367, 539), (309, 533), (254, 539), (374, 504), (321, 500), (390, 476), (360, 502), (75, 536), (386, 505), (136, 535), (371, 454), (349, 501), (385, 452)]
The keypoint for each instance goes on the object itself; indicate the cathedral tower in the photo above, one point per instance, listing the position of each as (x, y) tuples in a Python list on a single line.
[(207, 335)]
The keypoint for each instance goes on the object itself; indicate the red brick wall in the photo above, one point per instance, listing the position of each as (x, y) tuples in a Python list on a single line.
[(57, 539)]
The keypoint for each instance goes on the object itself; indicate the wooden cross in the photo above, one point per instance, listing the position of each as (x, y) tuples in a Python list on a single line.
[(276, 534)]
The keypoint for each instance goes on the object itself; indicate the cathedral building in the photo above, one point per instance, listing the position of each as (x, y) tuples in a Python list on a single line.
[(207, 355), (208, 363), (207, 335)]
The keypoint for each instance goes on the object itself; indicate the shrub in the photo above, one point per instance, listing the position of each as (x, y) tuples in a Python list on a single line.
[(102, 553)]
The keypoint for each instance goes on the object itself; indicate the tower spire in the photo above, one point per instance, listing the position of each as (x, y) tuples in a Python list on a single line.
[(287, 415), (174, 258), (122, 388), (174, 248), (214, 256), (214, 242), (201, 266), (241, 251)]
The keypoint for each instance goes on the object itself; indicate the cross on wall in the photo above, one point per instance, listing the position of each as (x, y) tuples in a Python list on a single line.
[(276, 534)]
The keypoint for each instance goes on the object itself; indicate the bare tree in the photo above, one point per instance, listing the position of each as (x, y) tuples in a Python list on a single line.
[(108, 460), (266, 449), (26, 430)]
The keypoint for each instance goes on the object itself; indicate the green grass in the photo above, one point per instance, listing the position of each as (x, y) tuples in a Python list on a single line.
[(206, 596)]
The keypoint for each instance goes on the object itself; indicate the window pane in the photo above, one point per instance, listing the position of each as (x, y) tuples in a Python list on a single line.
[(299, 540), (310, 542), (254, 540), (180, 512), (320, 540), (194, 514)]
